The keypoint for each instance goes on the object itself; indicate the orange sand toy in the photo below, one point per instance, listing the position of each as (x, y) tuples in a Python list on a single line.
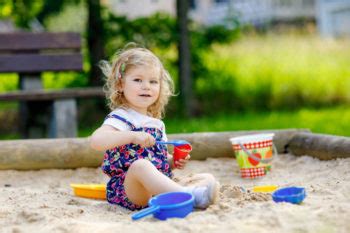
[(95, 191)]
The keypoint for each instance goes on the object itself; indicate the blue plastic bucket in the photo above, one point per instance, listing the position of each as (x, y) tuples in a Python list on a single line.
[(168, 205)]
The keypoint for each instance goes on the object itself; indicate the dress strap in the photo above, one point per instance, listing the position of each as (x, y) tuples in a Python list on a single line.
[(121, 119)]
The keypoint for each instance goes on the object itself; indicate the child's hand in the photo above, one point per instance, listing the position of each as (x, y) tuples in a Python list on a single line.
[(143, 139), (181, 163)]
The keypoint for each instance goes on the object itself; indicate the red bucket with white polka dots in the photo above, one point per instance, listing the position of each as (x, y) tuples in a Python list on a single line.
[(253, 154)]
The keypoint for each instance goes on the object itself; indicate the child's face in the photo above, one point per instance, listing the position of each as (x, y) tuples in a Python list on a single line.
[(141, 87)]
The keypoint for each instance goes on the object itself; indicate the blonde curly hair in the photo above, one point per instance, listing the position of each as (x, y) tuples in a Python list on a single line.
[(122, 62)]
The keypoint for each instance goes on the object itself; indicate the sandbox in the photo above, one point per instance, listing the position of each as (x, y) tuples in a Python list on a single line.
[(41, 200)]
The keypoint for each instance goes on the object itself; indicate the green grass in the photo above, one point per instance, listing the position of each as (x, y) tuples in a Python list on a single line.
[(290, 70), (328, 121)]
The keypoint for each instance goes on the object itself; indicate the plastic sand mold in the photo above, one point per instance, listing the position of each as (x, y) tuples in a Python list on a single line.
[(95, 191), (253, 154), (168, 205), (294, 195)]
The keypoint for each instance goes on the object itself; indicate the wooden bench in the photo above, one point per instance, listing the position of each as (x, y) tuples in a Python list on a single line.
[(43, 113)]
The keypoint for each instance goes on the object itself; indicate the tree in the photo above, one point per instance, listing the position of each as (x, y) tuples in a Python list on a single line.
[(184, 58), (95, 38)]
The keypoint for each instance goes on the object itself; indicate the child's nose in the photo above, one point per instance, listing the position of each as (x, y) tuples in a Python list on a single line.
[(145, 85)]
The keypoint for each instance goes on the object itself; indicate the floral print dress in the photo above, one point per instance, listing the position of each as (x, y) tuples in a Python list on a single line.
[(118, 160)]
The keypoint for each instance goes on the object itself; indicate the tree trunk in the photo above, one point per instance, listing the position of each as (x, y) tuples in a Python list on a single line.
[(184, 58), (95, 34), (324, 147), (76, 152)]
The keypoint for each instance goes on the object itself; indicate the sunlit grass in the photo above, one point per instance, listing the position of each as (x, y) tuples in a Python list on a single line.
[(329, 121), (295, 70)]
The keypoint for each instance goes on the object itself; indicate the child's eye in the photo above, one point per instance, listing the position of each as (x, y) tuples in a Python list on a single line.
[(138, 80), (154, 82)]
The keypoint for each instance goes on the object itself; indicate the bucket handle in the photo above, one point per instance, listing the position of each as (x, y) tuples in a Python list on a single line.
[(145, 212), (256, 158)]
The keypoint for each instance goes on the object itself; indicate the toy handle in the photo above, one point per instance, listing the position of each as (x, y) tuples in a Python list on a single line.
[(145, 212), (256, 158), (164, 143)]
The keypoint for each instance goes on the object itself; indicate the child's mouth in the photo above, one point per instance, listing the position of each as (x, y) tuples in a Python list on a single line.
[(145, 95)]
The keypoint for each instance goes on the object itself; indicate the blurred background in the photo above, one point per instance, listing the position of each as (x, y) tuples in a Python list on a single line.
[(237, 64)]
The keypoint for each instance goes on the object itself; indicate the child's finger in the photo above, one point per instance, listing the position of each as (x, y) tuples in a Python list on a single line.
[(179, 165), (153, 140)]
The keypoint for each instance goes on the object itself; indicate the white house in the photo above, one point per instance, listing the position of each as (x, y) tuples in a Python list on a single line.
[(333, 16), (210, 12)]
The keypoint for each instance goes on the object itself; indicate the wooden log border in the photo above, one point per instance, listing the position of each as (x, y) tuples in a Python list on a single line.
[(75, 152), (322, 146)]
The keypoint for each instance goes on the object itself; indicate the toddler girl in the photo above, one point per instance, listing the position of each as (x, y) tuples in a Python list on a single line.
[(138, 88)]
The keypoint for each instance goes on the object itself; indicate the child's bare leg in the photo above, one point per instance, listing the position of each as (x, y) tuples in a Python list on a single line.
[(200, 179), (144, 180)]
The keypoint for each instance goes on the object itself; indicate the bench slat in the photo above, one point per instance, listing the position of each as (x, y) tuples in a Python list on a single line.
[(39, 95), (20, 41), (33, 63)]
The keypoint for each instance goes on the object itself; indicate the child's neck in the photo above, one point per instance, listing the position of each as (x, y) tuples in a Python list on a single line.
[(143, 112)]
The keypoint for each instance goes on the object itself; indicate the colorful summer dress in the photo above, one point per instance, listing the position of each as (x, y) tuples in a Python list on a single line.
[(118, 160)]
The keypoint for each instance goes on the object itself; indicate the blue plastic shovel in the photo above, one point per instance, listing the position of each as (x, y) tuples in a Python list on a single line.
[(174, 142), (168, 205)]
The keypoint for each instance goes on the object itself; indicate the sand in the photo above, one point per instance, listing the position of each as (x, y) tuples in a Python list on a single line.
[(42, 201)]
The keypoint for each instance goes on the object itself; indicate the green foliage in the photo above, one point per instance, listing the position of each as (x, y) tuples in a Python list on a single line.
[(327, 120), (8, 82), (71, 18), (159, 32), (60, 80), (51, 80), (161, 35), (281, 72), (23, 12)]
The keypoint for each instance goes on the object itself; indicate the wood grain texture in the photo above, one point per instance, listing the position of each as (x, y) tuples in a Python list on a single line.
[(76, 152), (40, 95), (28, 41), (324, 147), (34, 63)]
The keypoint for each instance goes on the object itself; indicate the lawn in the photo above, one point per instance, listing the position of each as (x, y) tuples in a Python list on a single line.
[(328, 120)]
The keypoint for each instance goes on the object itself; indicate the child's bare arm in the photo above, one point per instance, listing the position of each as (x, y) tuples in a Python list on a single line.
[(107, 137)]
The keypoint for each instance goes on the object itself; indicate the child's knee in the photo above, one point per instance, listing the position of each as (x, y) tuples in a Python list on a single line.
[(140, 164)]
